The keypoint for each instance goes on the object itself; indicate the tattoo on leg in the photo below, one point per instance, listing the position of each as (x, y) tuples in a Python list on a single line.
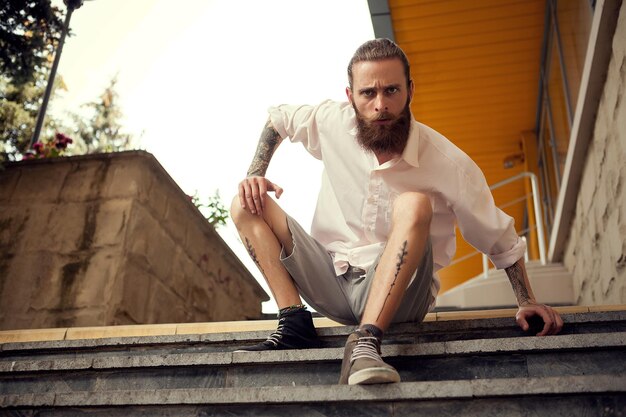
[(401, 261), (516, 276), (252, 253)]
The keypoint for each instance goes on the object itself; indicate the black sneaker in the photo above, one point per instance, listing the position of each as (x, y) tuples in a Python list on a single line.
[(295, 331)]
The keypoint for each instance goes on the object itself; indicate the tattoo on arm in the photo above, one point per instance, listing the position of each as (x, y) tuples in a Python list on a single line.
[(252, 253), (268, 142), (516, 276), (401, 261)]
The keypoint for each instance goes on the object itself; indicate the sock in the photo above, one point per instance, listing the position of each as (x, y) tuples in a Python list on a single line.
[(375, 331), (296, 307)]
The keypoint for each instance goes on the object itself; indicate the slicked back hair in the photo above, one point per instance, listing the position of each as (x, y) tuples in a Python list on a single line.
[(378, 50)]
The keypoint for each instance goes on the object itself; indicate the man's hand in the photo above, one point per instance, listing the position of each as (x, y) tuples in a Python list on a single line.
[(253, 192), (551, 319)]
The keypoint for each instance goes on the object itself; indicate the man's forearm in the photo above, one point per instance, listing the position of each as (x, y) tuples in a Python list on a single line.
[(268, 142), (519, 281)]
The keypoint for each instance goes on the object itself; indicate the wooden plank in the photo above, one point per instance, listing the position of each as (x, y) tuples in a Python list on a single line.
[(31, 335)]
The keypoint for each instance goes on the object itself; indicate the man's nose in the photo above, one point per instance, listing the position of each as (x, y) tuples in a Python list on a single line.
[(380, 103)]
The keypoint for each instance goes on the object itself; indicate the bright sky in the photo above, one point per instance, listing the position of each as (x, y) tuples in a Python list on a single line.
[(197, 79)]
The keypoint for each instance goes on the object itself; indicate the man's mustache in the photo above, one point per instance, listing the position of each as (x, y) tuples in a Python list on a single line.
[(384, 116)]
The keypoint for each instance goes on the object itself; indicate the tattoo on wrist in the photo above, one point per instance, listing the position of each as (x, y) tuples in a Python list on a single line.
[(516, 276), (269, 141), (252, 253), (401, 261)]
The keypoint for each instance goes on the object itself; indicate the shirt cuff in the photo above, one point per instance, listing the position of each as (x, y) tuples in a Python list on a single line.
[(508, 258)]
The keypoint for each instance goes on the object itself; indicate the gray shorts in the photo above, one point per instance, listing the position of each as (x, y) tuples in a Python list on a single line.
[(342, 298)]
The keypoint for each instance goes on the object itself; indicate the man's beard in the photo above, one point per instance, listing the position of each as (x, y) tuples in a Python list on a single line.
[(388, 138)]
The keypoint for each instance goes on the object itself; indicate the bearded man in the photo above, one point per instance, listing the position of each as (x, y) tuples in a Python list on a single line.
[(392, 191)]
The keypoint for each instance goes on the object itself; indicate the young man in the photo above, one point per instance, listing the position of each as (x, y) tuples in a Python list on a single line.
[(392, 189)]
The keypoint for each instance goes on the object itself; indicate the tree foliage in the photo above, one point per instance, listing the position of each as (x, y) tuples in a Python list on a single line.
[(29, 32), (101, 130), (214, 210), (19, 106)]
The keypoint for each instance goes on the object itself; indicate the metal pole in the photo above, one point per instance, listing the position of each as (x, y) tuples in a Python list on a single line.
[(538, 218), (46, 97)]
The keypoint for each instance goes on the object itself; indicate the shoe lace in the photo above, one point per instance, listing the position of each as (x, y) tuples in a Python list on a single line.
[(275, 337), (366, 348)]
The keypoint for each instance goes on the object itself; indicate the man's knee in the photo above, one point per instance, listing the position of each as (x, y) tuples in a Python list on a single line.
[(413, 207), (237, 213)]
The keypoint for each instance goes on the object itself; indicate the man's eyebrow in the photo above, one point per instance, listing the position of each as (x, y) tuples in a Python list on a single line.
[(384, 87)]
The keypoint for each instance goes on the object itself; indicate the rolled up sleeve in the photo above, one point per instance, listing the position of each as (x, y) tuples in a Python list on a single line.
[(299, 124)]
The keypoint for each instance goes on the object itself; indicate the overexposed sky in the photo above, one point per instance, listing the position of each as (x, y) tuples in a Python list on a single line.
[(197, 76)]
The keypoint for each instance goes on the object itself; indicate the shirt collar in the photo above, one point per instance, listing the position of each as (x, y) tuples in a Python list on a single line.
[(410, 154)]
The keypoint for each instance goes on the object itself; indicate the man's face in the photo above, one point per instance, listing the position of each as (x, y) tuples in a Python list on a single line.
[(381, 99)]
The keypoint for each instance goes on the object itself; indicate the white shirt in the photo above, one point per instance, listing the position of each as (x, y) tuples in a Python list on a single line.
[(353, 214)]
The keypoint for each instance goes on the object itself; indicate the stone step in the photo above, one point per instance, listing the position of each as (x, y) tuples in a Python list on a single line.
[(447, 368), (583, 354), (405, 333), (554, 396)]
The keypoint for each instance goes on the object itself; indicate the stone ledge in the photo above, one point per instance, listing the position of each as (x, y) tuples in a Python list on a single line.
[(517, 345), (416, 391), (84, 333)]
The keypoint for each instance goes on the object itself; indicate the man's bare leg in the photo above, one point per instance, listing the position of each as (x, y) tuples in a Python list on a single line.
[(263, 237), (403, 253)]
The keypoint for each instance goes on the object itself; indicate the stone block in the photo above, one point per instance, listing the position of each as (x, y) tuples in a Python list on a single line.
[(150, 242), (165, 306), (28, 277), (10, 178), (136, 283), (186, 278), (13, 224), (128, 177), (100, 273), (85, 180), (40, 181), (111, 222), (177, 217), (59, 228), (159, 196)]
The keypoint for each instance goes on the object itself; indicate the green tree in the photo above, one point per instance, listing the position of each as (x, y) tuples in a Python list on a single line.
[(19, 105), (101, 130), (214, 210), (29, 32)]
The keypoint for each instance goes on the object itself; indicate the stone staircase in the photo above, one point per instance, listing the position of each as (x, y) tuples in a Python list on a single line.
[(469, 367), (552, 284)]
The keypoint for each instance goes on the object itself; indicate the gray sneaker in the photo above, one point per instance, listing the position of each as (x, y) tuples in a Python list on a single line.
[(362, 363)]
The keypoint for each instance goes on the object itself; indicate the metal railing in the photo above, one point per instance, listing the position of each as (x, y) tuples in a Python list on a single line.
[(537, 214)]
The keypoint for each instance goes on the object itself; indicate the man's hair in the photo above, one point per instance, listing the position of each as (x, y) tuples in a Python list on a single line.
[(378, 50)]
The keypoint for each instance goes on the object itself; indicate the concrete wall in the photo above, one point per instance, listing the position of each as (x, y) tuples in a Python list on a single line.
[(110, 239), (596, 250)]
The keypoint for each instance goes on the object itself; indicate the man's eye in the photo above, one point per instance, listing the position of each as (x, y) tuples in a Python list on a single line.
[(368, 93), (392, 90)]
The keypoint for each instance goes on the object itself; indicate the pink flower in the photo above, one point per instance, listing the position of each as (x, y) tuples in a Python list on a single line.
[(38, 147)]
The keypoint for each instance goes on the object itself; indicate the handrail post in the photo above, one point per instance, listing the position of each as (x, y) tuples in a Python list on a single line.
[(538, 217), (485, 266)]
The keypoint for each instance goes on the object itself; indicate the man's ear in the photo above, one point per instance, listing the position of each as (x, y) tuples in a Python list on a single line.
[(349, 94), (411, 90)]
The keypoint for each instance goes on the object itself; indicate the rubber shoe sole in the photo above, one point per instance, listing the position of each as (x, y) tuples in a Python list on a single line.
[(374, 376)]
